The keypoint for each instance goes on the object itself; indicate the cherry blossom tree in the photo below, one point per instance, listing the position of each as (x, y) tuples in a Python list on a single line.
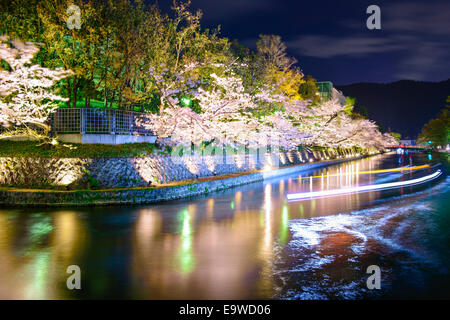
[(26, 98), (332, 124), (228, 114), (225, 116), (320, 122)]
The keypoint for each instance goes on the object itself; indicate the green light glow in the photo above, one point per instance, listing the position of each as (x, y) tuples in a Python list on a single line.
[(232, 205), (38, 232), (38, 269), (185, 101), (39, 276), (40, 229), (185, 254), (284, 225)]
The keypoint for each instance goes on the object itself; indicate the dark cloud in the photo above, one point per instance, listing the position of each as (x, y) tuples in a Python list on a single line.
[(424, 60), (418, 18), (420, 32), (330, 40), (322, 46)]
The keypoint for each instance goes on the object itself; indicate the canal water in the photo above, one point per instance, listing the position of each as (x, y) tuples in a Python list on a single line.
[(246, 242)]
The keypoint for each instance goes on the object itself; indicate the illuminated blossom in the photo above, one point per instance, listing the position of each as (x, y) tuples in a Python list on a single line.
[(25, 89)]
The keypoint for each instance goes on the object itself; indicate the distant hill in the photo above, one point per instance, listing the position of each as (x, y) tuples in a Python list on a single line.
[(403, 106)]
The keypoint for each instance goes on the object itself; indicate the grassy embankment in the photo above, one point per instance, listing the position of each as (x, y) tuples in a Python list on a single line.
[(33, 150)]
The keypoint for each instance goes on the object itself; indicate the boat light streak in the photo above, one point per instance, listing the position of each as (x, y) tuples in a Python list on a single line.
[(369, 172), (335, 192)]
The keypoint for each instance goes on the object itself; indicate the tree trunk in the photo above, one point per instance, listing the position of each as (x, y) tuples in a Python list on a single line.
[(106, 98), (112, 99), (75, 91), (69, 91)]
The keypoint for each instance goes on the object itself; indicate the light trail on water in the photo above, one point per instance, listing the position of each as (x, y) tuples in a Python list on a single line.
[(357, 189), (367, 172)]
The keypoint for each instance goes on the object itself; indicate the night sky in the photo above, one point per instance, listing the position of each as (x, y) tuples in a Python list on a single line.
[(330, 39)]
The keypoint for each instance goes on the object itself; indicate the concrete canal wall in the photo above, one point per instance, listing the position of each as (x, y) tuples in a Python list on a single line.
[(80, 173), (140, 195)]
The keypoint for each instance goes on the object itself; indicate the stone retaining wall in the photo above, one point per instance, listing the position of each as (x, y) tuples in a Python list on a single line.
[(20, 197), (78, 173)]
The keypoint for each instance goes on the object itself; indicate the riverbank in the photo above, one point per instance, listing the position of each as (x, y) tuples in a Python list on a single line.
[(82, 168), (13, 196)]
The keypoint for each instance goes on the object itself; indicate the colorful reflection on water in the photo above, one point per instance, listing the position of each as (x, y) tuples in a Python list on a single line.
[(247, 242)]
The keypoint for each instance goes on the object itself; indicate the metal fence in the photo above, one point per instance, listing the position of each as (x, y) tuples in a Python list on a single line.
[(92, 120)]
